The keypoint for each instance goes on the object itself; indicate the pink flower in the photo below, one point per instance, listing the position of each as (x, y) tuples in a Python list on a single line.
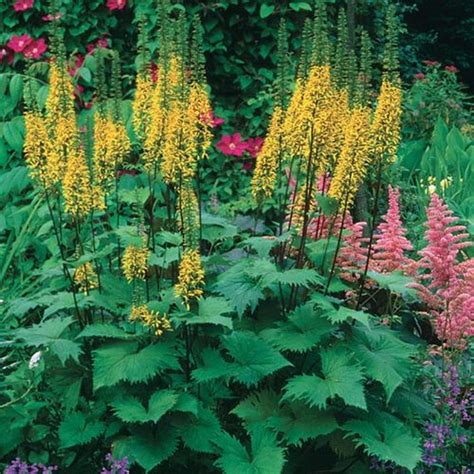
[(6, 54), (116, 4), (79, 61), (19, 43), (232, 145), (254, 145), (450, 289), (419, 76), (353, 253), (35, 49), (430, 63), (211, 120), (100, 43), (22, 5), (391, 242), (51, 17), (154, 72), (452, 69)]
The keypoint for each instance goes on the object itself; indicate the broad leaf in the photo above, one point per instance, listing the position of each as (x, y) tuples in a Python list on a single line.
[(254, 358), (76, 429), (48, 333), (213, 367), (148, 447), (341, 377), (343, 314), (125, 362), (198, 431), (104, 330), (264, 456), (257, 408), (388, 440), (210, 312), (131, 410), (303, 330), (299, 423)]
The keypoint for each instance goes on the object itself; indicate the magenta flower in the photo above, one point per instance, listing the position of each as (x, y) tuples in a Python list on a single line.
[(211, 120), (78, 62), (6, 54), (391, 242), (232, 145), (419, 76), (116, 4), (50, 17), (22, 5), (35, 49), (430, 63), (254, 145), (19, 43), (100, 43), (452, 69)]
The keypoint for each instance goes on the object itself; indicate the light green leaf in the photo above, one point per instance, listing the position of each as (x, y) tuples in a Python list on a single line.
[(264, 456), (299, 423), (257, 408), (104, 330), (343, 314), (266, 10), (198, 431), (254, 358), (211, 310), (124, 362), (303, 330), (75, 429), (388, 440), (147, 447), (341, 377)]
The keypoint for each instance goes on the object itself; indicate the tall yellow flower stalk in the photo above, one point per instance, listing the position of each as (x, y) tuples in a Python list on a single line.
[(188, 215), (135, 262), (354, 160), (111, 146), (37, 149), (387, 121), (60, 121), (78, 193), (266, 168), (190, 277), (142, 104)]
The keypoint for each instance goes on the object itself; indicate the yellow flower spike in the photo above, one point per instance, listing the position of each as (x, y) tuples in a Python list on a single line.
[(77, 189), (142, 105), (188, 214), (266, 168), (60, 122), (295, 126), (190, 277), (86, 278), (355, 158), (386, 123), (111, 146), (151, 319), (37, 148), (135, 262), (199, 111), (153, 146)]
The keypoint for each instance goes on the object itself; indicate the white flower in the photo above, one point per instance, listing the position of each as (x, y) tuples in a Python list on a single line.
[(34, 361)]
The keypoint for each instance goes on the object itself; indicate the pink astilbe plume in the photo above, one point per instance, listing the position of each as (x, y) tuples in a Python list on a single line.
[(450, 284), (353, 253), (390, 241)]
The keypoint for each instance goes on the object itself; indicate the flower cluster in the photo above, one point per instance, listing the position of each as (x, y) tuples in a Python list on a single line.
[(190, 277), (116, 4), (151, 319), (135, 262), (22, 5), (115, 466), (86, 278), (447, 432), (17, 466), (27, 46)]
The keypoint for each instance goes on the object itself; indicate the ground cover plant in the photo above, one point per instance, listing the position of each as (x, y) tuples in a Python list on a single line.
[(179, 297)]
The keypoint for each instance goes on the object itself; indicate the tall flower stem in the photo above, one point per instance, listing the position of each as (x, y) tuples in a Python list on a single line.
[(66, 271), (372, 231)]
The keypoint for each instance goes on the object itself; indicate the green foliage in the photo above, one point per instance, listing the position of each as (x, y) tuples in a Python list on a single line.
[(340, 378), (264, 456)]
